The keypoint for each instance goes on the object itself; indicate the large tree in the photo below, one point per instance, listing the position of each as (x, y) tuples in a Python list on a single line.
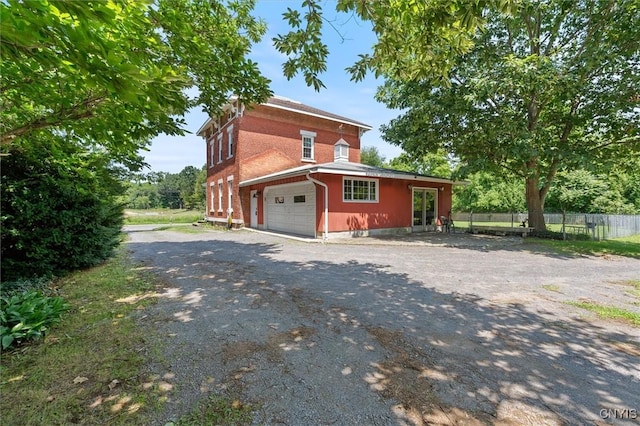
[(550, 86), (114, 74)]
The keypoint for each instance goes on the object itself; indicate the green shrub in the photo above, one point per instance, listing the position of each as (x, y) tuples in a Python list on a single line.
[(59, 209), (28, 316)]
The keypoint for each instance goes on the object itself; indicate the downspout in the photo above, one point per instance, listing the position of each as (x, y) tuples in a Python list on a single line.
[(326, 205)]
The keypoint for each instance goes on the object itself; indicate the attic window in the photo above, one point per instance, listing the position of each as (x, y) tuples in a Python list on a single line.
[(341, 151)]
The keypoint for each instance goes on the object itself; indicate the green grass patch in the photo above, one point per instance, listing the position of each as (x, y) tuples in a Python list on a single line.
[(609, 312), (218, 411), (142, 217), (90, 368), (627, 246), (551, 287), (635, 292)]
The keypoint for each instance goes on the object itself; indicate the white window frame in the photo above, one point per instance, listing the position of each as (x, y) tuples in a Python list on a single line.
[(341, 152), (230, 141), (360, 179), (220, 148), (219, 195), (212, 196), (212, 147), (311, 136), (230, 192)]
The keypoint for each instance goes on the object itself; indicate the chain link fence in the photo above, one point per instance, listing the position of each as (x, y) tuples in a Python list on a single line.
[(597, 226)]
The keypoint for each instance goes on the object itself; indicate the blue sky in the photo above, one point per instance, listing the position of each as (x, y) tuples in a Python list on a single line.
[(341, 96)]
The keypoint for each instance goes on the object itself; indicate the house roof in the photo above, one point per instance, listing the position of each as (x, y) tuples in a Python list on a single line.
[(347, 168), (291, 105), (286, 104)]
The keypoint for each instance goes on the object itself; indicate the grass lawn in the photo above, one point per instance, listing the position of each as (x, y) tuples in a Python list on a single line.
[(627, 246), (610, 312), (89, 369), (92, 368), (141, 217)]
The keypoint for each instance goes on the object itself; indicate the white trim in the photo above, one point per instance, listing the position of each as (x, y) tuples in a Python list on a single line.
[(230, 141), (302, 170), (424, 226), (220, 195), (220, 148), (212, 147), (311, 136), (230, 192), (359, 179)]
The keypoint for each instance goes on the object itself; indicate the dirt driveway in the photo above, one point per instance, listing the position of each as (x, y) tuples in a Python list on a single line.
[(428, 330)]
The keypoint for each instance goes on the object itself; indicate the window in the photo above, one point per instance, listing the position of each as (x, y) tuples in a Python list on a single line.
[(230, 144), (307, 144), (220, 195), (212, 196), (299, 199), (230, 191), (212, 145), (220, 148), (360, 190)]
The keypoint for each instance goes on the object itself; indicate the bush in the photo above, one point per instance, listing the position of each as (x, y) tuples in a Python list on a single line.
[(59, 209), (28, 315)]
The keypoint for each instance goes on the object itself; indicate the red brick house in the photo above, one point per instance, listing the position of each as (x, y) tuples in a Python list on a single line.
[(288, 167)]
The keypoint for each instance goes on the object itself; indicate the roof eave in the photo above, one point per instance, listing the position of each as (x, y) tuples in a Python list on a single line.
[(301, 171), (351, 123)]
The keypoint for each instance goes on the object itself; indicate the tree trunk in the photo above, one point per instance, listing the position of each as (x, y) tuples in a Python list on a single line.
[(535, 205)]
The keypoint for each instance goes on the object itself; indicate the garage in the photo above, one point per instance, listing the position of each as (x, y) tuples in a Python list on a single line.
[(291, 208)]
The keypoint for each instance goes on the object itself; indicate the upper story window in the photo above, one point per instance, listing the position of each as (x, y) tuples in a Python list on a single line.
[(308, 139), (230, 142), (360, 190), (212, 149), (220, 148)]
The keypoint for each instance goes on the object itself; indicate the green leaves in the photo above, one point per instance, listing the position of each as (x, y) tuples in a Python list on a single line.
[(28, 315), (416, 39), (304, 47), (546, 88), (59, 208), (108, 73)]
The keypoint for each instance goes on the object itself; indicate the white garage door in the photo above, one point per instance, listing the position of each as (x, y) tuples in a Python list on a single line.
[(292, 208)]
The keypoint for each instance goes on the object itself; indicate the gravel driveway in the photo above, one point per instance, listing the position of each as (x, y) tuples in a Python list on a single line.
[(427, 329)]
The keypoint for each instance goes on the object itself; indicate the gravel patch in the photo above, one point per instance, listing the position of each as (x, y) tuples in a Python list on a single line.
[(424, 329)]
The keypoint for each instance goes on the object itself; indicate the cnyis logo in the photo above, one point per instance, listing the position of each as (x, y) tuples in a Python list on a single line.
[(619, 413)]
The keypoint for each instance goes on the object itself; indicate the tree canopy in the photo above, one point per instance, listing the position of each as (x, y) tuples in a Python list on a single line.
[(415, 39), (550, 86), (113, 74)]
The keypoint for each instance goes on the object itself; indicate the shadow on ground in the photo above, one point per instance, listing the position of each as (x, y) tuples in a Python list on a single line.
[(432, 357)]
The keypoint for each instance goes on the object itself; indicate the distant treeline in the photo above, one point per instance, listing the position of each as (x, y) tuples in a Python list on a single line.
[(154, 190)]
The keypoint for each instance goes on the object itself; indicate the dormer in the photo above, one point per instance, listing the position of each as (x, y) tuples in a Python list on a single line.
[(341, 150)]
